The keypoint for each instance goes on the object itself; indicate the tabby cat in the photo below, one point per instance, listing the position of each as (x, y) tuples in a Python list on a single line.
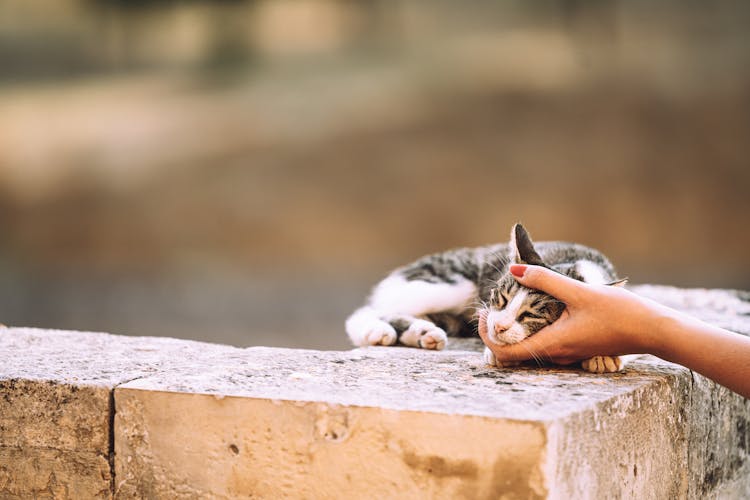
[(441, 295)]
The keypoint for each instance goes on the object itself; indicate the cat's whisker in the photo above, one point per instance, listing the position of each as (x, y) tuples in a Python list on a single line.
[(534, 355), (499, 271), (547, 354), (478, 305)]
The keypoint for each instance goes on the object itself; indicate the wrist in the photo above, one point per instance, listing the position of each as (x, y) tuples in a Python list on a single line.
[(660, 339)]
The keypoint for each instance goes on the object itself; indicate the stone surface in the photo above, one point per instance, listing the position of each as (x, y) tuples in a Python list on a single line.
[(718, 442), (592, 434), (85, 415), (394, 421), (48, 414), (234, 446), (56, 405), (94, 359), (634, 445), (728, 309), (50, 473), (397, 378)]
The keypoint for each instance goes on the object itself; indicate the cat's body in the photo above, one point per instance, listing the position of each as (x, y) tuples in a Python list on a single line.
[(439, 295)]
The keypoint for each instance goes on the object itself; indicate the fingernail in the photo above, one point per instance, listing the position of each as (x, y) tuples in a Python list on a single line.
[(518, 270)]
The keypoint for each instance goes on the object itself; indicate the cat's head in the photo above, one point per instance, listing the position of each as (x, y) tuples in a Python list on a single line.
[(516, 312)]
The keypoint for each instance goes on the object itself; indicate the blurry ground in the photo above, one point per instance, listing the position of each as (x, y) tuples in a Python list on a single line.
[(244, 172)]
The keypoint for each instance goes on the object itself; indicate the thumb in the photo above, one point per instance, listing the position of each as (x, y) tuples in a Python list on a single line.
[(558, 285)]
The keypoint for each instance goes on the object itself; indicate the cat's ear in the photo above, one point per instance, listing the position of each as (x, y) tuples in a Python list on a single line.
[(619, 283), (522, 249)]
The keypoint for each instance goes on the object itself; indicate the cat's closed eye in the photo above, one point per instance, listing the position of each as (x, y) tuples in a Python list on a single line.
[(497, 298), (500, 299), (527, 315)]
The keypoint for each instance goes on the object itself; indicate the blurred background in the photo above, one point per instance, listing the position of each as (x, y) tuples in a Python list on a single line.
[(244, 171)]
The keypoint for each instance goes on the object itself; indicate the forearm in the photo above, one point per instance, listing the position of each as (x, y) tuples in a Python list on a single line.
[(716, 353)]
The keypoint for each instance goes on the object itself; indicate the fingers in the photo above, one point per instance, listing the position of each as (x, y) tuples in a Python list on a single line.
[(522, 351), (559, 286), (541, 346)]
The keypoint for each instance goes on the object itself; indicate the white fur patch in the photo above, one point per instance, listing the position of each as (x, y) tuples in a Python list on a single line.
[(505, 319), (395, 295), (364, 327), (489, 357), (591, 272), (491, 360)]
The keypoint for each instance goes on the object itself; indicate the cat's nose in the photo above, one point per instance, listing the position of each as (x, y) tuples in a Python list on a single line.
[(499, 328)]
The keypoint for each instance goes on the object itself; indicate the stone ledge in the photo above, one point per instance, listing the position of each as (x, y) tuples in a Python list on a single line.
[(98, 415)]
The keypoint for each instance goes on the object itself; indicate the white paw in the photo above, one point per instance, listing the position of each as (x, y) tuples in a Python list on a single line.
[(602, 364), (380, 333), (491, 360), (434, 339), (489, 357), (424, 334)]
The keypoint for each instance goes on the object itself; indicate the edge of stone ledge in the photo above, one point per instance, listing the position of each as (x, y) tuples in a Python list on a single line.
[(512, 393), (223, 371)]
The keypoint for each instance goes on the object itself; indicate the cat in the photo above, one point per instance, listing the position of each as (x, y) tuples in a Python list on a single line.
[(441, 295)]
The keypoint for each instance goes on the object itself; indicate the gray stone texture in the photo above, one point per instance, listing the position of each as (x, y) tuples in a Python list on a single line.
[(89, 415)]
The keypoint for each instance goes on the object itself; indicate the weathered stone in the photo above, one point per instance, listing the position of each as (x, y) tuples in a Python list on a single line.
[(56, 405), (93, 359), (583, 434), (49, 473), (197, 420), (47, 414), (719, 441), (272, 448), (633, 445), (728, 309)]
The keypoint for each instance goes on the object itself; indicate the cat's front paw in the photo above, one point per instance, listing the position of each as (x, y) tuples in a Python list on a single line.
[(424, 334), (380, 333), (433, 339), (489, 357), (602, 364), (491, 360)]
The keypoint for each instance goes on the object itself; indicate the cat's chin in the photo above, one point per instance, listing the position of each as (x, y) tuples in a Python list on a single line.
[(506, 341), (493, 338)]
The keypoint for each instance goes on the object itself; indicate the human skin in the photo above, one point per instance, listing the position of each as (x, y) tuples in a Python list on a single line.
[(606, 320)]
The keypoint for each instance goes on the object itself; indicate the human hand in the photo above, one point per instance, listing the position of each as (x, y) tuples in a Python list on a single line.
[(599, 320)]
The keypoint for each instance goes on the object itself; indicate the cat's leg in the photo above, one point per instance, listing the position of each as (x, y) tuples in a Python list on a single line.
[(365, 327), (417, 332), (412, 300), (491, 360), (607, 364)]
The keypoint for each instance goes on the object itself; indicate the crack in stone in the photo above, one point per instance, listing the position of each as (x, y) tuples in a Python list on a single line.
[(111, 445), (689, 434)]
